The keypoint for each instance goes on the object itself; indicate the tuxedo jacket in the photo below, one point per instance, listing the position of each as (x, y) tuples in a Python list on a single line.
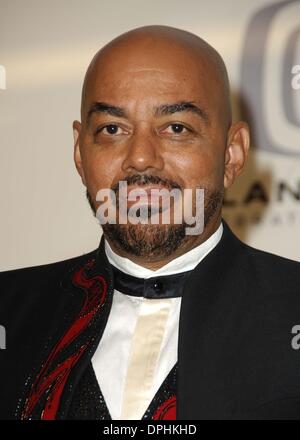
[(238, 355)]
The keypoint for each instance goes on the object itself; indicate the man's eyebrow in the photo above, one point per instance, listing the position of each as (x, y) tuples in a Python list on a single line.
[(103, 107), (164, 109), (168, 109)]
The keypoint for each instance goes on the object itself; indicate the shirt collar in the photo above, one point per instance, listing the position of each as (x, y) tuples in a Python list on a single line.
[(184, 263)]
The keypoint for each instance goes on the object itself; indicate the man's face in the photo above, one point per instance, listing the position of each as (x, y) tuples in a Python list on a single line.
[(157, 122)]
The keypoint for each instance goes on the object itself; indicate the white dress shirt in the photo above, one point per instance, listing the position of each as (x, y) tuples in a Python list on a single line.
[(139, 344)]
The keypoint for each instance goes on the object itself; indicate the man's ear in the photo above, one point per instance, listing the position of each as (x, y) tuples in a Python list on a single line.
[(238, 141), (77, 154)]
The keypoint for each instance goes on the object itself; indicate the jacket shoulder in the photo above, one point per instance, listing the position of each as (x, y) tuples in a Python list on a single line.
[(273, 273), (47, 267), (261, 270), (270, 261), (39, 278)]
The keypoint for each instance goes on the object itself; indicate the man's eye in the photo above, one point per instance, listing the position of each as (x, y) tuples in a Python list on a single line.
[(176, 129), (109, 129)]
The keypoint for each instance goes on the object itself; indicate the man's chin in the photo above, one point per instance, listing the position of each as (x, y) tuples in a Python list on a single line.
[(146, 240)]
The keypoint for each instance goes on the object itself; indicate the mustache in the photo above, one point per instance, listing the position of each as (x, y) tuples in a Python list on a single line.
[(139, 179), (146, 179)]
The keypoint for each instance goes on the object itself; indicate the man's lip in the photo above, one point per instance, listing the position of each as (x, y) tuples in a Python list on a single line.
[(146, 190)]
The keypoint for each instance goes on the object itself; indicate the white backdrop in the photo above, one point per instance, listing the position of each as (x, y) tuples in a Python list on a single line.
[(45, 48)]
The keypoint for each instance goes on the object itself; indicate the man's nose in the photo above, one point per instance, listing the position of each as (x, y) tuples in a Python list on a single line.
[(142, 153)]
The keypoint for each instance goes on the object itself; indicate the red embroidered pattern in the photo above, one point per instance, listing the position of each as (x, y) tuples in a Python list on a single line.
[(52, 378), (167, 410)]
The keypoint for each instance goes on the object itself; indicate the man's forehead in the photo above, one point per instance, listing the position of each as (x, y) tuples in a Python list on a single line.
[(156, 61), (146, 65), (136, 97), (134, 79), (148, 82)]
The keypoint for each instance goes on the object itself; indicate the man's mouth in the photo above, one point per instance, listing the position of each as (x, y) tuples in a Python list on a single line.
[(145, 194)]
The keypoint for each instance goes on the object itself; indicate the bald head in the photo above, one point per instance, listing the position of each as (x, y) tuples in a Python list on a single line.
[(156, 111), (161, 48)]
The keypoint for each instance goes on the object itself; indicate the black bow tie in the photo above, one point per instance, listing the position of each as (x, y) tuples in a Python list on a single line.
[(168, 286)]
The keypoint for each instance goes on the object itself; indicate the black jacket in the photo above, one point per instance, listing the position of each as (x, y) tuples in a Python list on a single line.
[(235, 353)]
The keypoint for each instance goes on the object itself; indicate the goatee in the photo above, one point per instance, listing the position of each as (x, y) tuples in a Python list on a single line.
[(155, 240)]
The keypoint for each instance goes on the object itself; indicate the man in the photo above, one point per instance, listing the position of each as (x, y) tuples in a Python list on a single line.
[(155, 323)]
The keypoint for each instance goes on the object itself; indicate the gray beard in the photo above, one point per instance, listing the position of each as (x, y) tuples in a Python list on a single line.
[(156, 240)]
